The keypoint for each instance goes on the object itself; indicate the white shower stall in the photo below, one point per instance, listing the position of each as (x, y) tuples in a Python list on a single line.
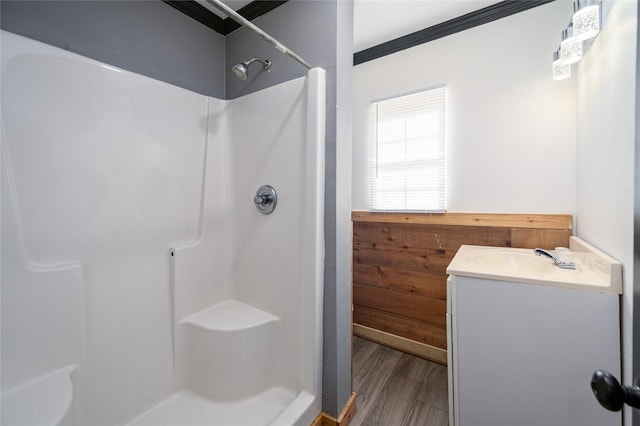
[(140, 284)]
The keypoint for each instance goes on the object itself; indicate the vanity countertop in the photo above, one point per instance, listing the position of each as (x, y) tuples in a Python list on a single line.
[(594, 270)]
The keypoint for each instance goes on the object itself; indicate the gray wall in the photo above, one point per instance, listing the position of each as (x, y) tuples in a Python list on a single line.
[(321, 32), (343, 231), (153, 39), (307, 27), (635, 326), (146, 37)]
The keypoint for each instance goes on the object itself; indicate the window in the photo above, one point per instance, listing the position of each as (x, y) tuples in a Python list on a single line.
[(407, 152)]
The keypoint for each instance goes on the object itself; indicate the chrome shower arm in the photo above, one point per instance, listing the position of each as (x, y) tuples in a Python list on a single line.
[(245, 22), (266, 64)]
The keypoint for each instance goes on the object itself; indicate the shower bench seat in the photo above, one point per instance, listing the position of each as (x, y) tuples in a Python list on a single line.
[(228, 316), (47, 400), (228, 351), (228, 371)]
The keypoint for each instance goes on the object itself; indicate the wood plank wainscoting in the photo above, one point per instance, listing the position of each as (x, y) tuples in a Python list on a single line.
[(399, 263)]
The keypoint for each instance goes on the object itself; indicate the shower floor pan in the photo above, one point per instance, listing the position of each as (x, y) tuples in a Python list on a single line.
[(188, 409)]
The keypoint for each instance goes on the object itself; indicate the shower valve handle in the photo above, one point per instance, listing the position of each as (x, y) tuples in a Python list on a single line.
[(263, 199)]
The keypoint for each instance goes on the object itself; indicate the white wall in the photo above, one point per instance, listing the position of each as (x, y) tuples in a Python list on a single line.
[(605, 90), (511, 128)]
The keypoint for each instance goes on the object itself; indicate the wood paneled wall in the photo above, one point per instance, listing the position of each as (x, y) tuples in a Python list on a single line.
[(400, 261)]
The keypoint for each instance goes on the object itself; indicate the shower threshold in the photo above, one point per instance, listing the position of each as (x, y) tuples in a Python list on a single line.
[(189, 409)]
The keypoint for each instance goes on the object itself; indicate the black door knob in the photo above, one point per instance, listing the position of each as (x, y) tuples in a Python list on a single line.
[(611, 394)]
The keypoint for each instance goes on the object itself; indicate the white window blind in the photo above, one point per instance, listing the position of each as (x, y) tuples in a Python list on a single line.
[(408, 152)]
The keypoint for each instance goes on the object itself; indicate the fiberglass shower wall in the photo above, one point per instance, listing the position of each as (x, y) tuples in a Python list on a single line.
[(127, 208), (244, 290)]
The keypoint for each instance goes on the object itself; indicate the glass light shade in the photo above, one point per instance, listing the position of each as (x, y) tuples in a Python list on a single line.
[(570, 47), (561, 70), (586, 22)]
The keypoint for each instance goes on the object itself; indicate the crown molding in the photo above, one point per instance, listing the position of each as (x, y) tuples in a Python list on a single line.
[(452, 26)]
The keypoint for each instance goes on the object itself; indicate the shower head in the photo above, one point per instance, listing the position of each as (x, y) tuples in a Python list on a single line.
[(241, 70)]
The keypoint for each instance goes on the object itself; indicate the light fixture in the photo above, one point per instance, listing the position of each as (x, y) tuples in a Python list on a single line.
[(586, 19), (583, 28), (561, 69), (570, 46)]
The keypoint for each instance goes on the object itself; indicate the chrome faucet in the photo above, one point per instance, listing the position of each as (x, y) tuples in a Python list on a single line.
[(555, 257)]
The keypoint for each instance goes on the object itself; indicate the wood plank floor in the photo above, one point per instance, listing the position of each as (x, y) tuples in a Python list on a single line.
[(397, 389)]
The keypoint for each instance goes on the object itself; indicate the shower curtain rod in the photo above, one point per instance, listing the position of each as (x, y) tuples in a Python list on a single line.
[(245, 22)]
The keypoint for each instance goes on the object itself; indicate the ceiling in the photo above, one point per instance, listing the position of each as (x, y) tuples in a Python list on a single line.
[(378, 21)]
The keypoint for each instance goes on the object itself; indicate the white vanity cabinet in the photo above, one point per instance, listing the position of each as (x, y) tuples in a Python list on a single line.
[(523, 353)]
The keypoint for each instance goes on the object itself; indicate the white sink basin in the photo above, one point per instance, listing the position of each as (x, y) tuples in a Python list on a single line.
[(512, 261)]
